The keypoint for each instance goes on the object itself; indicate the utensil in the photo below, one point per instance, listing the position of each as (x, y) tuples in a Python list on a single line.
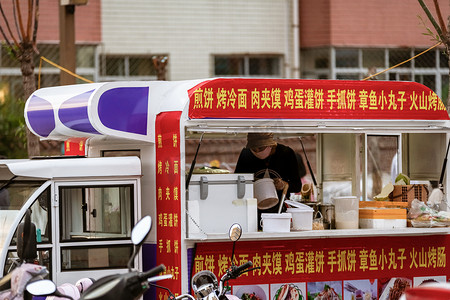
[(283, 196)]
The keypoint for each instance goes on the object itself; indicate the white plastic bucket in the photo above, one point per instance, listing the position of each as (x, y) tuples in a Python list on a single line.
[(302, 219), (276, 222), (346, 209), (266, 194)]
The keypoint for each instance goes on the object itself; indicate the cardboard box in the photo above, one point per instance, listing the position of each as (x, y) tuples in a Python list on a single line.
[(407, 193), (382, 218), (382, 204)]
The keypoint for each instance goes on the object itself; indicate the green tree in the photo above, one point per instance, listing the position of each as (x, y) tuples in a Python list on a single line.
[(442, 32), (12, 126), (19, 33)]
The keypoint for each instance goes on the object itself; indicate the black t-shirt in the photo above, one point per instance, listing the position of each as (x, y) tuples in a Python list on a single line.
[(283, 161)]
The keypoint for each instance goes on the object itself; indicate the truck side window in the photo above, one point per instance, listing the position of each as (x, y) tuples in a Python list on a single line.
[(83, 258), (40, 216), (44, 258), (96, 212)]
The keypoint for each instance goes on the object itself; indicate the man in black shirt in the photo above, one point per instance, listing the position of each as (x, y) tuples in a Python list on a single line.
[(262, 153)]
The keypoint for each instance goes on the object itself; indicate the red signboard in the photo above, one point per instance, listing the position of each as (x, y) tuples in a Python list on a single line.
[(338, 261), (168, 205), (75, 146), (314, 99)]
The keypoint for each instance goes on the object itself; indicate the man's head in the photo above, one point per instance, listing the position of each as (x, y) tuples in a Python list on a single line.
[(257, 140), (260, 143)]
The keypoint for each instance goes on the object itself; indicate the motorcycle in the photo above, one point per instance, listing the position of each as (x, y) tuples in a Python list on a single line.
[(205, 284), (171, 295), (131, 285), (13, 285)]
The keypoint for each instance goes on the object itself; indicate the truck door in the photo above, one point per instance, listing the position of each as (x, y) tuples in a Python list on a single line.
[(94, 221), (39, 203)]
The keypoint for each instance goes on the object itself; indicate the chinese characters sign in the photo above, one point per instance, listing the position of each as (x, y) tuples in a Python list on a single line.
[(168, 204), (75, 146), (328, 259), (314, 99)]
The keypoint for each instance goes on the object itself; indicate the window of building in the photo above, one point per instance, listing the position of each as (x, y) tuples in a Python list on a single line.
[(443, 60), (347, 58), (444, 87), (11, 77), (373, 58), (347, 76), (86, 56), (425, 60), (397, 56), (427, 80), (247, 65), (119, 67), (429, 69)]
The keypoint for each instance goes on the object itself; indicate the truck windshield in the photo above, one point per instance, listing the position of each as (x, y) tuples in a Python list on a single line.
[(12, 197)]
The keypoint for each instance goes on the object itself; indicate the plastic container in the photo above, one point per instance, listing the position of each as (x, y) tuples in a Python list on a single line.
[(276, 222), (302, 217), (346, 212), (265, 192), (233, 193)]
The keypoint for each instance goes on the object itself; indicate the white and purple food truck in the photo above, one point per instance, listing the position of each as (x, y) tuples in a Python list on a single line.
[(133, 141)]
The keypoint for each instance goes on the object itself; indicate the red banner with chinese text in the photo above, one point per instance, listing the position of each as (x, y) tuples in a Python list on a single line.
[(168, 207), (75, 147), (314, 99), (330, 259)]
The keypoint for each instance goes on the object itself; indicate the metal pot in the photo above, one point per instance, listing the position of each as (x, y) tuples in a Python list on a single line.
[(327, 211)]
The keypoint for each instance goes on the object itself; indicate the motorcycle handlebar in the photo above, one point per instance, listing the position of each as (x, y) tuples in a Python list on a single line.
[(234, 272), (243, 267), (152, 272)]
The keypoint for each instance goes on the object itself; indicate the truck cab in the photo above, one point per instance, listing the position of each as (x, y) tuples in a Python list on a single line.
[(83, 209)]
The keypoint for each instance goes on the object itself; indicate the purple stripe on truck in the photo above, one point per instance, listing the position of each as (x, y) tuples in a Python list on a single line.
[(40, 116), (73, 113), (125, 109)]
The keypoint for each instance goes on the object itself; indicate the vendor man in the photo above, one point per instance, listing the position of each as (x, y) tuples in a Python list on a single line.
[(262, 153)]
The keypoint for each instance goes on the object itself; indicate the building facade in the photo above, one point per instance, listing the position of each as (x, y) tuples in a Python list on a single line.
[(354, 39)]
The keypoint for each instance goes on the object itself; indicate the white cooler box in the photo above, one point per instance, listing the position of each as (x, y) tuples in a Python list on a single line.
[(216, 201)]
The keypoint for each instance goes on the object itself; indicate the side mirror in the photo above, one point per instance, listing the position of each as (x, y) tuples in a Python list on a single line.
[(41, 287), (235, 232), (141, 230)]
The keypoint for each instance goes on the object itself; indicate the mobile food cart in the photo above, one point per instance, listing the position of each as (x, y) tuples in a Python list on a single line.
[(152, 122)]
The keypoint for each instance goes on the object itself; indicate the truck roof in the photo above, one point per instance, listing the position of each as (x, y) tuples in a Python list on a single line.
[(127, 110)]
